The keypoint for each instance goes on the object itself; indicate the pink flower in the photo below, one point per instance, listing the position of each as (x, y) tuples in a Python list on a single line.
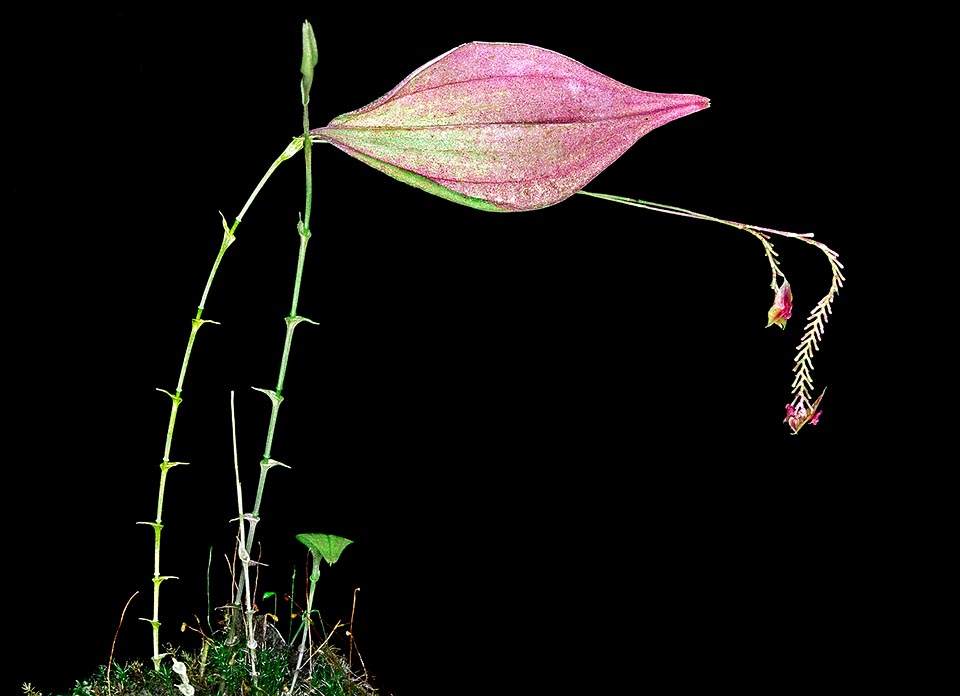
[(782, 306), (800, 412)]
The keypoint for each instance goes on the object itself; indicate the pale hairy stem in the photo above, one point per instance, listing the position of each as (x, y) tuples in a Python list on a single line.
[(244, 556)]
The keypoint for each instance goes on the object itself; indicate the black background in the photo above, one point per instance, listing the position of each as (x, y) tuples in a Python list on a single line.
[(555, 437)]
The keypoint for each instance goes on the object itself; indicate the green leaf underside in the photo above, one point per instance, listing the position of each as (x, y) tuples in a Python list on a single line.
[(425, 184)]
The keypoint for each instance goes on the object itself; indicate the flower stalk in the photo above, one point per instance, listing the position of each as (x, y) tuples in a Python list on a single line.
[(803, 408)]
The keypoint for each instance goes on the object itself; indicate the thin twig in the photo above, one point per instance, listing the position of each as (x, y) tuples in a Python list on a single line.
[(113, 645)]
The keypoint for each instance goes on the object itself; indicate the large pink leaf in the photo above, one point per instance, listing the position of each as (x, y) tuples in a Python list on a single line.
[(503, 126)]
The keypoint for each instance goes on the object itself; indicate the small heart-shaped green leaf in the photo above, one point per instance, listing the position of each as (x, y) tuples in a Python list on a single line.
[(326, 546)]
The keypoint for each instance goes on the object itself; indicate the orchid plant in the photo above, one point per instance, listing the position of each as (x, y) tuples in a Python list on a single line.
[(499, 127)]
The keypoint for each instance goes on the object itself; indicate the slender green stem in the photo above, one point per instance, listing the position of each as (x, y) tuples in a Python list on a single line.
[(293, 320), (176, 398), (307, 617), (308, 160)]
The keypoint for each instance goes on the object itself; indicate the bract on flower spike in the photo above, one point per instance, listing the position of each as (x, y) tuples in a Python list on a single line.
[(502, 126), (800, 412)]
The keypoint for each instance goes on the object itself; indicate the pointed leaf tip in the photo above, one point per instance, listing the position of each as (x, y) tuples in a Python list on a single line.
[(503, 126)]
